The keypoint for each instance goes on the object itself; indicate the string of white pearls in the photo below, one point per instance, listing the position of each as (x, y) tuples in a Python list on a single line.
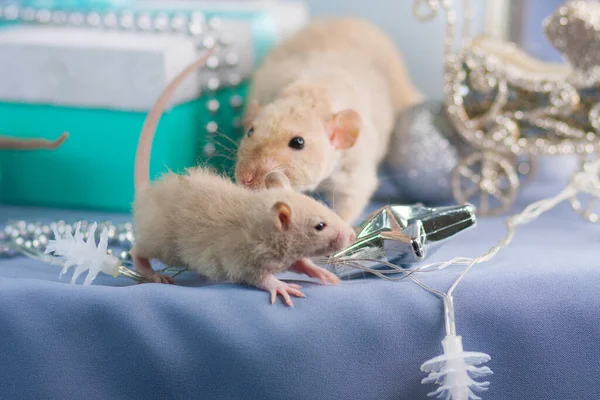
[(35, 235)]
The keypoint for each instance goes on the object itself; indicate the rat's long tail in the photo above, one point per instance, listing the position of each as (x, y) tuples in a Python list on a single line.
[(31, 144), (142, 157)]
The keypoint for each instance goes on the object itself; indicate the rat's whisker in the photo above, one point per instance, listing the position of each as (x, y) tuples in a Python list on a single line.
[(231, 171), (222, 134), (279, 168), (204, 164), (226, 149), (298, 170), (221, 156), (249, 156), (219, 150)]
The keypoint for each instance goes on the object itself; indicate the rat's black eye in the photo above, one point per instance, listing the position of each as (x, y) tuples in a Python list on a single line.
[(297, 143), (320, 226), (250, 132)]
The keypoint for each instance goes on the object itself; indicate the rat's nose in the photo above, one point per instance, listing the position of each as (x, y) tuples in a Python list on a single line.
[(352, 236), (341, 240), (247, 178)]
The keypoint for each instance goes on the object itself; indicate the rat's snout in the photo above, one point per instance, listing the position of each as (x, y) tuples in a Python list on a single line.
[(247, 178), (342, 240), (246, 175), (252, 174), (253, 181), (351, 236)]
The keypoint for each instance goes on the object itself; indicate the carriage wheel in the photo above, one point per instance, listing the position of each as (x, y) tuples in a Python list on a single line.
[(486, 180), (586, 204)]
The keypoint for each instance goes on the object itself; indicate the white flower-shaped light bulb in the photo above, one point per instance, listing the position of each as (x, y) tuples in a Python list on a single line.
[(456, 370), (74, 251)]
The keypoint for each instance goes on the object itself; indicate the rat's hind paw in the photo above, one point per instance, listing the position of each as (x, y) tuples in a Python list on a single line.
[(142, 265), (308, 268), (160, 278), (165, 279), (276, 287)]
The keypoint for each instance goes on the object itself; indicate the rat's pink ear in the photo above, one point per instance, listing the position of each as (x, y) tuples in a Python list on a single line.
[(343, 129), (277, 179), (283, 214), (251, 113)]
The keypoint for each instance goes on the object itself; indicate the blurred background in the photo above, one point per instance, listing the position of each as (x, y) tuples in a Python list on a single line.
[(421, 43), (95, 67)]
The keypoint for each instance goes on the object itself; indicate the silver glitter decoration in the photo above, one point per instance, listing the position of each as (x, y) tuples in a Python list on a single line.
[(234, 79), (195, 28), (213, 84), (212, 127), (36, 235), (208, 42), (209, 149), (232, 59), (15, 241), (43, 16), (236, 101), (423, 151), (178, 22), (11, 13), (144, 22), (212, 62), (76, 18), (575, 31), (125, 255), (161, 22), (194, 25), (508, 106), (127, 20), (93, 19), (213, 105), (206, 33)]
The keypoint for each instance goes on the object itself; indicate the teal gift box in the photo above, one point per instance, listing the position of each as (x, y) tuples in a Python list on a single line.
[(95, 73)]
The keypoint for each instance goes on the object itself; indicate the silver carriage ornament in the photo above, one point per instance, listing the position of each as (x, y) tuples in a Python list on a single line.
[(511, 108)]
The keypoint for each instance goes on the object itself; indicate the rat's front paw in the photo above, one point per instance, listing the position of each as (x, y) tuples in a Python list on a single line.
[(160, 278), (276, 287), (308, 268)]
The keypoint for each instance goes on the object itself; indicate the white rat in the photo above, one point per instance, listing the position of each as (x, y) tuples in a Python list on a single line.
[(226, 232), (322, 108)]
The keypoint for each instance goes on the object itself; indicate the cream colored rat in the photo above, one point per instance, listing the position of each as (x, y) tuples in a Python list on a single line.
[(227, 232), (322, 108)]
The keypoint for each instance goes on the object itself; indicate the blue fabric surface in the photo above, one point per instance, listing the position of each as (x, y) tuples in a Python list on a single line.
[(534, 309)]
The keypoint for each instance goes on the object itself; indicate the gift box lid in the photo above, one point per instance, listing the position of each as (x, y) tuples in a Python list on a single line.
[(123, 58)]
